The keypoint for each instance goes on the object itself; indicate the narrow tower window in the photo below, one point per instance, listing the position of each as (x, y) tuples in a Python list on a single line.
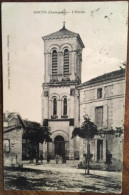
[(66, 62), (54, 62), (65, 107), (55, 106)]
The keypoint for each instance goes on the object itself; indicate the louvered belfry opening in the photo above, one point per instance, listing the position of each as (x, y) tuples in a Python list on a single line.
[(66, 62), (54, 62)]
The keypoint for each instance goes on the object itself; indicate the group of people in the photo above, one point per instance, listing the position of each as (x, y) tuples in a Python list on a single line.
[(58, 159)]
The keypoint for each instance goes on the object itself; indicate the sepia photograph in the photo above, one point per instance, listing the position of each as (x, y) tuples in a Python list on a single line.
[(64, 80)]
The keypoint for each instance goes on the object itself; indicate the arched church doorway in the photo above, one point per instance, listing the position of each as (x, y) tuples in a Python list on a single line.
[(59, 145)]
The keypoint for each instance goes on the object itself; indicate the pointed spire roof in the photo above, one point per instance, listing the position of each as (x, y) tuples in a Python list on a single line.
[(63, 33)]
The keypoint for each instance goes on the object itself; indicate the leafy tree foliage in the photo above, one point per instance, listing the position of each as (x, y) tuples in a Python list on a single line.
[(87, 131), (123, 65), (36, 133), (117, 130)]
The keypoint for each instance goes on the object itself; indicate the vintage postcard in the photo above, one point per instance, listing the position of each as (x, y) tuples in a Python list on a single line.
[(64, 70)]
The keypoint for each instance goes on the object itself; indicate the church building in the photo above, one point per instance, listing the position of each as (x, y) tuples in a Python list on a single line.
[(65, 100)]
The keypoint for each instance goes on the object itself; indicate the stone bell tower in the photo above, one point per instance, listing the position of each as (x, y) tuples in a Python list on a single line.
[(60, 97)]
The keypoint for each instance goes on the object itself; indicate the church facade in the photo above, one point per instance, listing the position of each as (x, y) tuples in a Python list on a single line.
[(65, 100)]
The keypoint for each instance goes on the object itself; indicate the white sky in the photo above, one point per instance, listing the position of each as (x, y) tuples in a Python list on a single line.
[(103, 29)]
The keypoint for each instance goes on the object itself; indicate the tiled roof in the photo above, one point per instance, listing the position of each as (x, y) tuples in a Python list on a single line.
[(63, 33), (11, 128), (105, 77), (60, 33)]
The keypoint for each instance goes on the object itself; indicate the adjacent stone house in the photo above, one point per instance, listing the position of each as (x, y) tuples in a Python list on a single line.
[(13, 128), (103, 100)]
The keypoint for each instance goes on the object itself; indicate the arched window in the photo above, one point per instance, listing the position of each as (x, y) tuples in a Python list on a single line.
[(65, 107), (66, 62), (54, 62), (54, 106)]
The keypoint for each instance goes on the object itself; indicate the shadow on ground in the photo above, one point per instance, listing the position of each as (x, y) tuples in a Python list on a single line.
[(28, 179)]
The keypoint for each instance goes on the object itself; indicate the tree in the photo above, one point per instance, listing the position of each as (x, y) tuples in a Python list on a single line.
[(123, 65), (87, 131), (36, 134)]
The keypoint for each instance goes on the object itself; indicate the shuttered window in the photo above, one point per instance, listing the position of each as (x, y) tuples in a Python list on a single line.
[(99, 116), (99, 93)]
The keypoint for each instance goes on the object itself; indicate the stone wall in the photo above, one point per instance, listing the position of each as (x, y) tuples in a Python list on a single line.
[(14, 155), (113, 97), (112, 102), (114, 152)]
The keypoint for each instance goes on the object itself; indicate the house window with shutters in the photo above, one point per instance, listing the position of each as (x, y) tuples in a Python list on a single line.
[(99, 116), (54, 62), (99, 93), (66, 62), (99, 150)]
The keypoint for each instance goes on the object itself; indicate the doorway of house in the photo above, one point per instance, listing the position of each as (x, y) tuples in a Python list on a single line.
[(59, 145), (99, 150)]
